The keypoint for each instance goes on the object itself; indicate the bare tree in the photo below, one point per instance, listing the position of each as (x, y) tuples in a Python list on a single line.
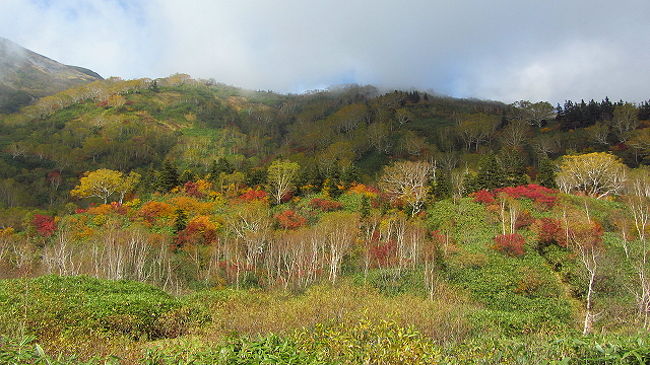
[(534, 113), (638, 202), (585, 237), (598, 133), (407, 181), (475, 129), (339, 230), (624, 121)]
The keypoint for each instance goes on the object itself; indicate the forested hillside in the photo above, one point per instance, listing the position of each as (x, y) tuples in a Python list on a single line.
[(183, 221)]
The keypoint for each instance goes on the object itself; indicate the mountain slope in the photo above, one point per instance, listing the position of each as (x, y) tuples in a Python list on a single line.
[(26, 75)]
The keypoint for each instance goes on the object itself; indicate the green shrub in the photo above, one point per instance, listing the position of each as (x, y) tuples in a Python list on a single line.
[(52, 304)]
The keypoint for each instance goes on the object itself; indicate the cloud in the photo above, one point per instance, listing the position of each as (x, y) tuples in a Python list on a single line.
[(500, 49)]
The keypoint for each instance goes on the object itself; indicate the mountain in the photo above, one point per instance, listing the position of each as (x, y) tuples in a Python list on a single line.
[(26, 75)]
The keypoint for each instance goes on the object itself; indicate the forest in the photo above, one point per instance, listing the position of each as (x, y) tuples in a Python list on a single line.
[(184, 221)]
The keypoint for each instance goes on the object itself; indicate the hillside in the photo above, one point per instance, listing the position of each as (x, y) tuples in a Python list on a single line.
[(25, 76), (183, 221)]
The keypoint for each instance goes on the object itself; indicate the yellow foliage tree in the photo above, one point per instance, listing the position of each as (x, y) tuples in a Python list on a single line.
[(103, 183), (596, 174), (281, 175)]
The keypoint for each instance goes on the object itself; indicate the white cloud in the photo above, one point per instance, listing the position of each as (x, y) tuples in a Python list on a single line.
[(500, 49)]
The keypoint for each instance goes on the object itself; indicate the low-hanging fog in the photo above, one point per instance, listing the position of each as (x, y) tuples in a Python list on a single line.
[(502, 49)]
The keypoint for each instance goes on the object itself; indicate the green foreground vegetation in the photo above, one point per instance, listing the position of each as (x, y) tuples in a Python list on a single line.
[(102, 321)]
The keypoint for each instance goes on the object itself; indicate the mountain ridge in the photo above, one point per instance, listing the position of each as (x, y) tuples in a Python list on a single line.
[(26, 76)]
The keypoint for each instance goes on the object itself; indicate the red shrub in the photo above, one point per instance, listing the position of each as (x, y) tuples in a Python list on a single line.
[(510, 244), (44, 224), (289, 219), (550, 231), (537, 193), (325, 205), (286, 196), (254, 194), (439, 237), (191, 188), (483, 196), (524, 219), (382, 254)]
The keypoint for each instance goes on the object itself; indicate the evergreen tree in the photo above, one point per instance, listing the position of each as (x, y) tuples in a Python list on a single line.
[(168, 178), (308, 177), (365, 206), (490, 173), (442, 187), (217, 167), (350, 175), (331, 188), (225, 166), (181, 220), (513, 167), (186, 176), (546, 173), (148, 183), (255, 177)]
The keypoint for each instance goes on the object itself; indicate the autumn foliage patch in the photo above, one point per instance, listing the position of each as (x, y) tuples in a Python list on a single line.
[(537, 193), (325, 205), (254, 194), (199, 230), (510, 244), (550, 231), (153, 210), (382, 254), (289, 219), (44, 225), (483, 197)]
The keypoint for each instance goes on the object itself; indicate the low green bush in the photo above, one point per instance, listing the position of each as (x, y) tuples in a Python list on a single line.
[(51, 305)]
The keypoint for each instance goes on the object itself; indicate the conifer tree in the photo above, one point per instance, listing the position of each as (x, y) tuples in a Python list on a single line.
[(217, 167), (186, 176), (513, 167), (168, 178), (350, 175), (442, 186), (365, 206), (181, 220), (149, 181), (546, 173), (490, 173)]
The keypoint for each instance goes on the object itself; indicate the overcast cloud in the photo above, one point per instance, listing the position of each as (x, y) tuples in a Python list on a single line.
[(498, 49)]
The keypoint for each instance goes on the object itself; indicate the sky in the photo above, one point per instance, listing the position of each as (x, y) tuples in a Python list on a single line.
[(504, 50)]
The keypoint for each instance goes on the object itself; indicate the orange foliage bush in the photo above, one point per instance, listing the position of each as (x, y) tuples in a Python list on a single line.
[(104, 209), (366, 190), (289, 219), (200, 230), (325, 205), (254, 194), (191, 205), (153, 210)]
